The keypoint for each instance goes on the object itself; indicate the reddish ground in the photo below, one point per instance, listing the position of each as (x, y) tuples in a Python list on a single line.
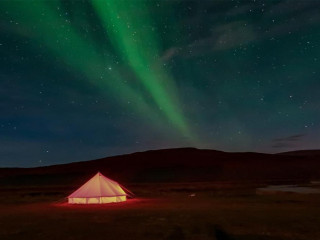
[(224, 213)]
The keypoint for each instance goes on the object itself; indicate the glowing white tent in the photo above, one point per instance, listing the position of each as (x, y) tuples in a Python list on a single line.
[(98, 189)]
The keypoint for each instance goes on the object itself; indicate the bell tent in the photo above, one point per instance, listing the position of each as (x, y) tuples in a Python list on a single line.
[(97, 190)]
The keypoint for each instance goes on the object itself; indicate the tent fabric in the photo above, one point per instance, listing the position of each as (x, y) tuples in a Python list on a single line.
[(99, 189), (97, 200)]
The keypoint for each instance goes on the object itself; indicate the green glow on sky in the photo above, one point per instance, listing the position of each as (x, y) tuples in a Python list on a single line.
[(120, 76), (135, 40)]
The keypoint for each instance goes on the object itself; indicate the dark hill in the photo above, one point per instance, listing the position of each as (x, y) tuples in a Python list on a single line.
[(305, 153), (175, 165)]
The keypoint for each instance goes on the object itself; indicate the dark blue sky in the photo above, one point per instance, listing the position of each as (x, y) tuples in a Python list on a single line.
[(226, 75)]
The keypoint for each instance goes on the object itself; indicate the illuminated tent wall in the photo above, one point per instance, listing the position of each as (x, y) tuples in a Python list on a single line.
[(98, 189)]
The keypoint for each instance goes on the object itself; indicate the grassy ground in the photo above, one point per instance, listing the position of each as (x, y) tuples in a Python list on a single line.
[(217, 211)]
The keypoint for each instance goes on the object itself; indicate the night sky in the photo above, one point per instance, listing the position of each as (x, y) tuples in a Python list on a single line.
[(81, 80)]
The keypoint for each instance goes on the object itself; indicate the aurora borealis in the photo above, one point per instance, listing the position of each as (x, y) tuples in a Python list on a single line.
[(94, 78)]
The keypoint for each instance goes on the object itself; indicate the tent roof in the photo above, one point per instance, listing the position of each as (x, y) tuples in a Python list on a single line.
[(98, 186)]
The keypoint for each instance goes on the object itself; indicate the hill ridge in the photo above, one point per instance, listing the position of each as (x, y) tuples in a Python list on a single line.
[(177, 165)]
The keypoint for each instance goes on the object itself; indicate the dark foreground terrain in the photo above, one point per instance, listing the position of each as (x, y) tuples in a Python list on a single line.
[(180, 194), (163, 211)]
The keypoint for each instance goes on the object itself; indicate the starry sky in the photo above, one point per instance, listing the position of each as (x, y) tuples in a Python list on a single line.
[(86, 79)]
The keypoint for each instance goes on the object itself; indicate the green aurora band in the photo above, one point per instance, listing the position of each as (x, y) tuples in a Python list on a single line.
[(130, 31)]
